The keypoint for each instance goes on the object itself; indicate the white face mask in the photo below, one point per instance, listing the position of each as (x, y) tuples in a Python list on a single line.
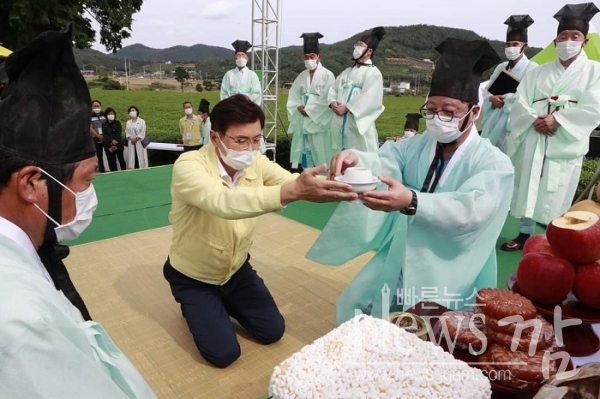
[(188, 111), (568, 49), (241, 62), (445, 132), (311, 65), (133, 114), (85, 205), (512, 53), (408, 133), (358, 52), (110, 117), (238, 160), (97, 110)]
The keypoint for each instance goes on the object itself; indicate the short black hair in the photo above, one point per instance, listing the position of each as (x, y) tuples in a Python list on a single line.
[(96, 101), (109, 109), (188, 102), (10, 164), (235, 110), (133, 107)]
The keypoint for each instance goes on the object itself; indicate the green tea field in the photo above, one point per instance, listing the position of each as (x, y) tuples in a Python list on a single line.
[(162, 109)]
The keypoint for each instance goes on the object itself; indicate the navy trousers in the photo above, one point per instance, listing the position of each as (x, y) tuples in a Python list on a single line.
[(207, 309)]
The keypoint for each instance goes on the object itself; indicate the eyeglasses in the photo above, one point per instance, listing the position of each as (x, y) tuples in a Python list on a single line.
[(444, 116), (244, 142)]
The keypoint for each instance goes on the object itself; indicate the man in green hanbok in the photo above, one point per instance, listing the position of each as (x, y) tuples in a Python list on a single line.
[(308, 110), (435, 221)]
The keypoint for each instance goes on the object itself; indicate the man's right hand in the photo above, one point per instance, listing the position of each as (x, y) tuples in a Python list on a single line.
[(309, 187), (497, 101), (341, 161)]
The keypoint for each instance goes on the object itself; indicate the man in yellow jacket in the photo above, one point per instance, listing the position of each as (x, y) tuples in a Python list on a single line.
[(217, 194)]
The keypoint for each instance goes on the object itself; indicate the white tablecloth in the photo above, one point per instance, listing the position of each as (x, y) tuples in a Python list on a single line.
[(165, 146)]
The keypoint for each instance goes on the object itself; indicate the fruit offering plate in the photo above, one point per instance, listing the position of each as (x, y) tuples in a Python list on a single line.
[(432, 311), (579, 340), (571, 307)]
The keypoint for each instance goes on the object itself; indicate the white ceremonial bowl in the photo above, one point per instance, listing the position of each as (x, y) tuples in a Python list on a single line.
[(360, 175), (359, 187)]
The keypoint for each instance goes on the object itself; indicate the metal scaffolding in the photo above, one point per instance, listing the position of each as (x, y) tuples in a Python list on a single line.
[(266, 16)]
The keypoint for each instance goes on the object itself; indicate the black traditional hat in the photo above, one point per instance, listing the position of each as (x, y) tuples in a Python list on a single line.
[(204, 106), (311, 42), (372, 39), (241, 46), (458, 72), (412, 121), (45, 117), (576, 17), (517, 27), (45, 108)]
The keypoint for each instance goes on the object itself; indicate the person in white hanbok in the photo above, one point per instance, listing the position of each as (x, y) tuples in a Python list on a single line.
[(356, 98), (308, 110), (444, 202), (557, 108), (496, 108), (135, 131), (49, 346), (241, 80)]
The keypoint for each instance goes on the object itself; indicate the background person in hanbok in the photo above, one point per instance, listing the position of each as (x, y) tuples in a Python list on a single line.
[(47, 164), (448, 191), (241, 80), (308, 110), (496, 109), (135, 132), (411, 126), (356, 98), (217, 194), (204, 117), (557, 108)]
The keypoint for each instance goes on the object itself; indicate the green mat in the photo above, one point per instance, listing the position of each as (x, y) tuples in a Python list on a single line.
[(139, 200), (129, 202)]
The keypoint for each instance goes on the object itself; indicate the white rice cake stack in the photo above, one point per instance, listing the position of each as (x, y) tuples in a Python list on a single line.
[(372, 358)]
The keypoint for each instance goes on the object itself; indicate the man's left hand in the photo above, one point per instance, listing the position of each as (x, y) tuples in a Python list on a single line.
[(546, 125), (341, 110), (397, 197)]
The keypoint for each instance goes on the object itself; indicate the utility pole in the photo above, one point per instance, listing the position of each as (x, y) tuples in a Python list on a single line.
[(126, 74)]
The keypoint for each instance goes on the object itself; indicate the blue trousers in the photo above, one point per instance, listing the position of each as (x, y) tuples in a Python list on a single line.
[(207, 309)]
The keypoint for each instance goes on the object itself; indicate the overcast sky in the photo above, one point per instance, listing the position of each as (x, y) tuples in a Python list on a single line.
[(166, 23)]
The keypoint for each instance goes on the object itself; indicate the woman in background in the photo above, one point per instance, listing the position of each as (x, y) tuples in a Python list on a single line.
[(135, 130), (113, 142)]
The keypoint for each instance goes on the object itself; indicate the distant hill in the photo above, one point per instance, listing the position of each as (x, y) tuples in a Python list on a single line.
[(194, 53), (399, 56)]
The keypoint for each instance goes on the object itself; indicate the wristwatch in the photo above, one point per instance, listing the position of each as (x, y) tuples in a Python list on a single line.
[(411, 209)]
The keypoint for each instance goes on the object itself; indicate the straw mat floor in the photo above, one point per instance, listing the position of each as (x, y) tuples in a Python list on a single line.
[(121, 281)]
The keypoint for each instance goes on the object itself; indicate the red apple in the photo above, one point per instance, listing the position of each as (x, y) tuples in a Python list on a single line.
[(575, 236), (587, 284), (539, 244), (545, 278)]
